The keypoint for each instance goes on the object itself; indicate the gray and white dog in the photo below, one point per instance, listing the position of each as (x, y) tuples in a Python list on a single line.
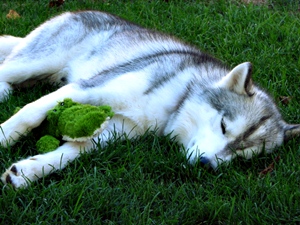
[(151, 80)]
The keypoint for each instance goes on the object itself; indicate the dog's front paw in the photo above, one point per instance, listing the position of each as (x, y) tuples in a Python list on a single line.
[(15, 177), (22, 173)]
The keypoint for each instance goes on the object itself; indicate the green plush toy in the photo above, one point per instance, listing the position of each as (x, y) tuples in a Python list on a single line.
[(72, 121)]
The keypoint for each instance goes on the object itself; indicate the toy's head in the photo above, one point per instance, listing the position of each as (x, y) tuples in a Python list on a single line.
[(54, 114)]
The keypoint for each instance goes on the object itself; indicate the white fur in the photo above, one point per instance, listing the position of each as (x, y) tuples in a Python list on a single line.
[(7, 45)]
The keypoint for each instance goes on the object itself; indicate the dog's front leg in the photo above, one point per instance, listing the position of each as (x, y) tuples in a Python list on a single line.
[(31, 115), (22, 173)]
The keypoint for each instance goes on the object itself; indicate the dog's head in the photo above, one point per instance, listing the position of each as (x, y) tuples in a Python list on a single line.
[(232, 117)]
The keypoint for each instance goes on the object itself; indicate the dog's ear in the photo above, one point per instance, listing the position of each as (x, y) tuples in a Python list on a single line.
[(291, 131), (239, 79)]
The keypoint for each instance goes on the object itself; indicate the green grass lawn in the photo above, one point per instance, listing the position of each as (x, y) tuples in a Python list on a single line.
[(147, 180)]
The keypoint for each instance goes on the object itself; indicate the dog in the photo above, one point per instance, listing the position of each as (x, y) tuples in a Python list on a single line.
[(151, 80)]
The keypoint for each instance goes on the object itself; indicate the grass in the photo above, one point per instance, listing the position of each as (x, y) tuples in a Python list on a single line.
[(147, 180)]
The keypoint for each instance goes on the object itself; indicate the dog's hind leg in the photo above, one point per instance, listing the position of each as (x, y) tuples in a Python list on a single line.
[(7, 44), (22, 173), (20, 66), (43, 53)]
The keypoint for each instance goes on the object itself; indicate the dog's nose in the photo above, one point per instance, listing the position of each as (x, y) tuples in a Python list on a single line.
[(204, 160)]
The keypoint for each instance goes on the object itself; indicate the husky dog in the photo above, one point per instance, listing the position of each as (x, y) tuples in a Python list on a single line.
[(151, 80)]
